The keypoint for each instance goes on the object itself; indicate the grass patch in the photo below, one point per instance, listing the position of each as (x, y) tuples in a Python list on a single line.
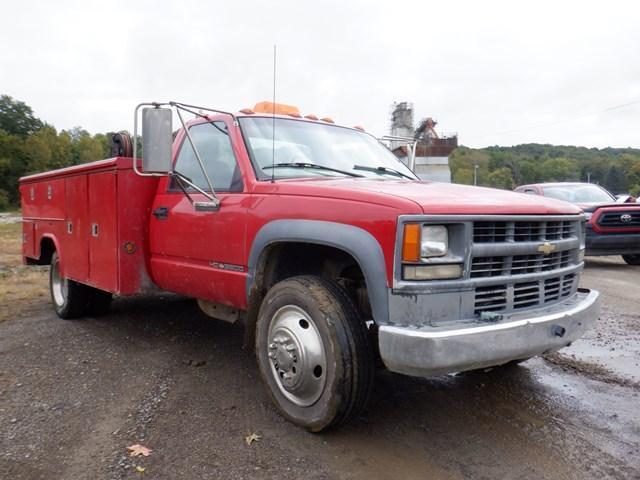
[(22, 288)]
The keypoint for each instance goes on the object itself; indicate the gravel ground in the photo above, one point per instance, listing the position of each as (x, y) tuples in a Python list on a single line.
[(156, 372)]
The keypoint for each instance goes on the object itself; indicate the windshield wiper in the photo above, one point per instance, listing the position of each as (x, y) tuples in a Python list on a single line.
[(382, 170), (311, 165)]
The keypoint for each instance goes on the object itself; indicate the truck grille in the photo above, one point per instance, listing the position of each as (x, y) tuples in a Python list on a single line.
[(509, 297), (520, 264), (620, 219), (510, 272), (521, 231)]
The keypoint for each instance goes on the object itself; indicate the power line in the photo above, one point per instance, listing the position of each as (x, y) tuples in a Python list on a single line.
[(565, 120)]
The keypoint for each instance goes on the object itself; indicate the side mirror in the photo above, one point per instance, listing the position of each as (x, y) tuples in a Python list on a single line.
[(157, 139)]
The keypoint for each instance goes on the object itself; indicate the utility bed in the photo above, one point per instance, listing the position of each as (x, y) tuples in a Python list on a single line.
[(96, 217)]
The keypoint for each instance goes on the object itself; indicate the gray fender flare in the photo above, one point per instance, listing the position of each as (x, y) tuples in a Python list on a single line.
[(355, 241)]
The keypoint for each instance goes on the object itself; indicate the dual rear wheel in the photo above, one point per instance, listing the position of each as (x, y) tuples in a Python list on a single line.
[(72, 299)]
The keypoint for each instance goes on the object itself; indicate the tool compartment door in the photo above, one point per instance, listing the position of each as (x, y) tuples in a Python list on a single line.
[(76, 237), (103, 235)]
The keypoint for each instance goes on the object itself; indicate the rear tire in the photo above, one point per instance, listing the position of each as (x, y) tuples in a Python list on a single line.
[(632, 259), (72, 299), (314, 353), (99, 302), (69, 298)]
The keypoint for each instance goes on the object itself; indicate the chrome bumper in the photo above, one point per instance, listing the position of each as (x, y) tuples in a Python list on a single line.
[(433, 351)]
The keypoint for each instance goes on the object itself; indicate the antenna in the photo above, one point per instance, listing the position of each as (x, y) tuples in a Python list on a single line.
[(273, 121)]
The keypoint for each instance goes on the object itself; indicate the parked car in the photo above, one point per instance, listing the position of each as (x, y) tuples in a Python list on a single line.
[(613, 224)]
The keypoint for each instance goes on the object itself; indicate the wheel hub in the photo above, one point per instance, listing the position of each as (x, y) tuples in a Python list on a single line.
[(297, 356)]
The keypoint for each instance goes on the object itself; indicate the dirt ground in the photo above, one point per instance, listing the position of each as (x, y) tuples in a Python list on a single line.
[(156, 372)]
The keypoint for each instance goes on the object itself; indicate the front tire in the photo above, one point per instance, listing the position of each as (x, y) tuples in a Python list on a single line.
[(314, 353), (632, 259)]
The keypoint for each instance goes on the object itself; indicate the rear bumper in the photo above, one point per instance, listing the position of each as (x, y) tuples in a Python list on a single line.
[(612, 243), (434, 351)]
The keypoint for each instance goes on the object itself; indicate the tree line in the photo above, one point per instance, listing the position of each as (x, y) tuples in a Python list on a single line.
[(30, 145), (616, 169)]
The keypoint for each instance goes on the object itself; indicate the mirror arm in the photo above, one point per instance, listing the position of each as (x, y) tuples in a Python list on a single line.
[(212, 204), (179, 180), (211, 196)]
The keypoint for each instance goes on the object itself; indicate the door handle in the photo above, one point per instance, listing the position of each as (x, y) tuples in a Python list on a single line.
[(161, 213)]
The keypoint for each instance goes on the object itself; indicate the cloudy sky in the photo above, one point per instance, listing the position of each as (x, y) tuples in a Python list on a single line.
[(498, 73)]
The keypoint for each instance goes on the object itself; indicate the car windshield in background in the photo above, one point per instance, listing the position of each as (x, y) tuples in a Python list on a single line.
[(308, 149), (579, 194)]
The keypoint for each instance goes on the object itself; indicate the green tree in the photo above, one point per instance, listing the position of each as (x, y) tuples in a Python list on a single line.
[(559, 170), (501, 178), (12, 165), (17, 118), (614, 181)]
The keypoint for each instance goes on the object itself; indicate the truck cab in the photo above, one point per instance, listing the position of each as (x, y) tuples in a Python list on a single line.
[(330, 251)]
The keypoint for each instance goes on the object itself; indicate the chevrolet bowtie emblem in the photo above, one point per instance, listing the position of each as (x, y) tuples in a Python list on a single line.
[(546, 248)]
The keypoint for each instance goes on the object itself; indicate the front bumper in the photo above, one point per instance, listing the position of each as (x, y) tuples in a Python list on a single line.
[(612, 243), (426, 351)]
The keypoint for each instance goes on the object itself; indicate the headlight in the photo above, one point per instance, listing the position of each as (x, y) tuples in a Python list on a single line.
[(434, 242), (587, 215), (420, 244), (424, 241)]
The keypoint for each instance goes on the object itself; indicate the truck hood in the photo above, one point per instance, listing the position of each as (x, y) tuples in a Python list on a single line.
[(429, 197)]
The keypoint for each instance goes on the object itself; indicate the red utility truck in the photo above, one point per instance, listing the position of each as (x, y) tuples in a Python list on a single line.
[(330, 250)]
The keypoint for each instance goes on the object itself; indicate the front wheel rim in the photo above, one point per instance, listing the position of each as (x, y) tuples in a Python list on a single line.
[(296, 355), (59, 285)]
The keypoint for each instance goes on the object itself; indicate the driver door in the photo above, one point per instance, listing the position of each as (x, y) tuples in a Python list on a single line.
[(201, 253)]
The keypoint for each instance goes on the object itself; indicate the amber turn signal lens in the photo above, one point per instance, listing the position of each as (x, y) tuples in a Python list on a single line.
[(411, 243)]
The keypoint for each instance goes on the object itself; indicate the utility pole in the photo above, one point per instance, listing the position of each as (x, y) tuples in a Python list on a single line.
[(588, 177), (475, 174)]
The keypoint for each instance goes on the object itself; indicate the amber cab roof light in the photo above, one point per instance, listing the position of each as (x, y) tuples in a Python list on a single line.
[(276, 108)]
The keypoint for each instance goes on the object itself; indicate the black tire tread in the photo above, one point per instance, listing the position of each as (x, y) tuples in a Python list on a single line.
[(81, 299), (632, 259), (77, 297), (360, 348), (99, 302)]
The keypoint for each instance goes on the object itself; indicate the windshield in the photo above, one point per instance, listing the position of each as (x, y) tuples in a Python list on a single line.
[(306, 149), (579, 194)]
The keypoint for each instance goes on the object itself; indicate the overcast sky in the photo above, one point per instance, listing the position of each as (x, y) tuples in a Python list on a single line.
[(498, 73)]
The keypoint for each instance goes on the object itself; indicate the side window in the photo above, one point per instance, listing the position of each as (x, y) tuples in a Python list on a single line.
[(530, 192), (214, 146)]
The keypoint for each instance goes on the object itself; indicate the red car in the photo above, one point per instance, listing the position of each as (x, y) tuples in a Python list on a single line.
[(612, 228)]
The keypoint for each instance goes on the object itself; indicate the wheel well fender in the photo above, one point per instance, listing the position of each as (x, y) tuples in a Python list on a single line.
[(47, 245), (355, 241)]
